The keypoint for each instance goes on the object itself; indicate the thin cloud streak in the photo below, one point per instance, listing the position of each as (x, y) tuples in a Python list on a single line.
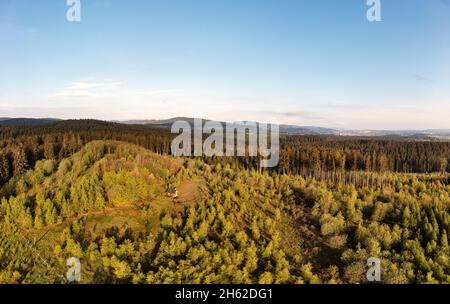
[(113, 100)]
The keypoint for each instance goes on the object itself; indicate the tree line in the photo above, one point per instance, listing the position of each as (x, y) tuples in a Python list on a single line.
[(326, 157)]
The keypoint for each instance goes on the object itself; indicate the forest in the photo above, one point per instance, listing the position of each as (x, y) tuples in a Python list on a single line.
[(322, 157), (98, 191)]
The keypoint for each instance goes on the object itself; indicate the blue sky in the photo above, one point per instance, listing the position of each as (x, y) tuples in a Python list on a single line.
[(307, 62)]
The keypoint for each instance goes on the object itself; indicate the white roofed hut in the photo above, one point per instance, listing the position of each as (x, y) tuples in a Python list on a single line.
[(173, 193)]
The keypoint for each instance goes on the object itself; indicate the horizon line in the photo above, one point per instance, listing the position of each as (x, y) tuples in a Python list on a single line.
[(225, 121)]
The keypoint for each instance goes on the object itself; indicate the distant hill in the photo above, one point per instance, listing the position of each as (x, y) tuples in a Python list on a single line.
[(314, 130), (418, 134), (166, 124), (306, 130), (157, 121), (5, 121), (286, 129)]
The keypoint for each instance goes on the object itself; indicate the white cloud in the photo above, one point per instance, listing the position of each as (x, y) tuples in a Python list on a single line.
[(394, 117), (86, 89), (114, 100), (91, 85), (96, 91)]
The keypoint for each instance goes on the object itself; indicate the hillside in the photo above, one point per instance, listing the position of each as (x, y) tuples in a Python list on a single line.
[(5, 121), (441, 134), (107, 205)]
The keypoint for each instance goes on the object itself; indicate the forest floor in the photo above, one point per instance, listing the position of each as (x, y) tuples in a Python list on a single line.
[(300, 233), (128, 216), (189, 193)]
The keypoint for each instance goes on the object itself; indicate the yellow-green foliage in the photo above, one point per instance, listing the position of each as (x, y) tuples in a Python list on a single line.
[(243, 227)]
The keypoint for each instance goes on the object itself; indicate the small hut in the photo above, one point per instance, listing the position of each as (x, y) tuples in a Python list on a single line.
[(173, 193)]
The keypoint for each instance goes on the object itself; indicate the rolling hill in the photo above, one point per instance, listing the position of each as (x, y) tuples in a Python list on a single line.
[(107, 205), (4, 121), (314, 130), (166, 124)]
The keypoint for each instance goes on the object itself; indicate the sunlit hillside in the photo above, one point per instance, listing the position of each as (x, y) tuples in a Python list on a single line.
[(108, 206)]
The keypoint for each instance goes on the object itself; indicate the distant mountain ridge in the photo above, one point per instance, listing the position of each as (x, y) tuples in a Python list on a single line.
[(166, 124), (314, 130), (286, 129), (6, 121)]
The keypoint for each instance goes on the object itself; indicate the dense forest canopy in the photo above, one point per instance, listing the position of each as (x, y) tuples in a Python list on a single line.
[(22, 146), (107, 205), (97, 191)]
